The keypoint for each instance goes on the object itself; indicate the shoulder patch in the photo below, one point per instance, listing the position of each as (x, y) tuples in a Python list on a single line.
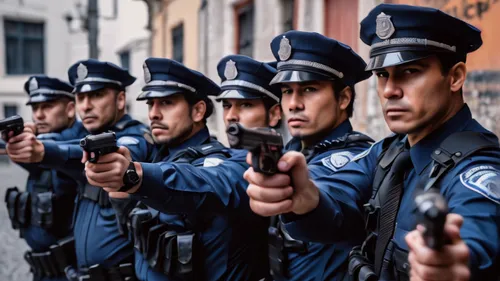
[(337, 160), (366, 152), (212, 162), (127, 141), (484, 180)]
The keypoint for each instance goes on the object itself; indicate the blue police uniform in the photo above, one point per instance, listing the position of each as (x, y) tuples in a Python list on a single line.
[(470, 185), (302, 57), (199, 225), (101, 250), (45, 217)]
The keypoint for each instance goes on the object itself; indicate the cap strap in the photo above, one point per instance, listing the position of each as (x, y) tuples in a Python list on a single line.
[(50, 92), (312, 64), (170, 83), (413, 41), (246, 84), (98, 79)]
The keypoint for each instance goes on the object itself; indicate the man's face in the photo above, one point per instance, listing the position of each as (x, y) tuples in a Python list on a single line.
[(171, 121), (52, 116), (310, 108), (251, 113), (98, 109), (414, 96)]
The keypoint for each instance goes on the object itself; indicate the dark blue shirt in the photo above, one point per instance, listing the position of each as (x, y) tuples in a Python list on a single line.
[(211, 188), (64, 189), (471, 188), (97, 238), (327, 261)]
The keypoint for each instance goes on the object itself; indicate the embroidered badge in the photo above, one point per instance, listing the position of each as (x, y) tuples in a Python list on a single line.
[(484, 180), (212, 162), (337, 160), (124, 141)]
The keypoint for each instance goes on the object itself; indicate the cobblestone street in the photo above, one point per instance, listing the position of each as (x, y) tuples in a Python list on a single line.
[(12, 265)]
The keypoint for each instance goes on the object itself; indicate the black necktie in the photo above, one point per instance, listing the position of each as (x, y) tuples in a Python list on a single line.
[(390, 206)]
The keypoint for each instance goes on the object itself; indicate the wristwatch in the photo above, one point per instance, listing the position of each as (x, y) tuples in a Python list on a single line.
[(130, 178)]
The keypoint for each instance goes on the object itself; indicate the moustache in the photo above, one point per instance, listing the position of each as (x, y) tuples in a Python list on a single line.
[(89, 116), (159, 126), (298, 116), (396, 105)]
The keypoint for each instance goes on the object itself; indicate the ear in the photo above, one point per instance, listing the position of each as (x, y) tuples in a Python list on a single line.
[(70, 110), (345, 97), (121, 100), (198, 111), (457, 73), (274, 115)]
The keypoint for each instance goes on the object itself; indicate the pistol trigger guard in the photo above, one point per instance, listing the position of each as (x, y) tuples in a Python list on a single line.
[(256, 160), (95, 158)]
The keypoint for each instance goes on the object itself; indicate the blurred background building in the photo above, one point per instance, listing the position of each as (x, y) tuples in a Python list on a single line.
[(47, 36), (200, 32)]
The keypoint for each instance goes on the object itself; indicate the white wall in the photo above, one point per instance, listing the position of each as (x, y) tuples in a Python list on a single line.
[(115, 34), (57, 46)]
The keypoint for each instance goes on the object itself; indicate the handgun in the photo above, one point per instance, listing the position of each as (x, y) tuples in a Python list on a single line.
[(11, 124), (432, 210), (265, 144), (100, 144)]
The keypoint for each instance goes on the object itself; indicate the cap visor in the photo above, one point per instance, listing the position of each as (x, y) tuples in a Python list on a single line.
[(395, 58), (159, 92), (85, 88), (286, 76), (238, 94), (42, 98)]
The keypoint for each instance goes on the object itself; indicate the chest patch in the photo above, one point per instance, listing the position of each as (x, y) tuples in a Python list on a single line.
[(484, 180), (337, 160), (212, 162)]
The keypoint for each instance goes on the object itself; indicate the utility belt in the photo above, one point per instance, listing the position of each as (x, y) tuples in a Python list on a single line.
[(55, 262), (165, 249), (27, 208), (395, 265), (280, 244), (96, 194), (121, 272)]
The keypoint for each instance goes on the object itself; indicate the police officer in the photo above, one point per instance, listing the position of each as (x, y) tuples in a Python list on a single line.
[(44, 210), (198, 225), (101, 250), (317, 77), (246, 96), (420, 65)]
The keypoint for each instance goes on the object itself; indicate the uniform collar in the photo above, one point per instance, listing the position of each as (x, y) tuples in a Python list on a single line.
[(75, 131), (201, 137), (341, 130), (421, 151), (124, 118)]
